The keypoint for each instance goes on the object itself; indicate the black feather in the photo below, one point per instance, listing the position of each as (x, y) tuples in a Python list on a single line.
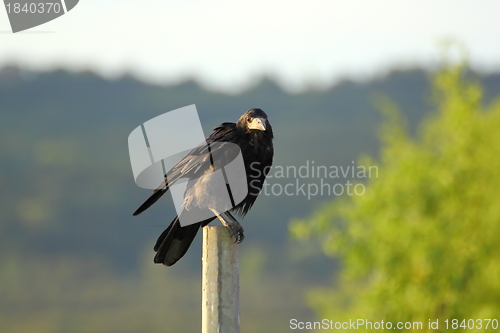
[(256, 145)]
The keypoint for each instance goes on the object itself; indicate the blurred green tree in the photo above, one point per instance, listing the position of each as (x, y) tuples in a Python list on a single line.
[(423, 242)]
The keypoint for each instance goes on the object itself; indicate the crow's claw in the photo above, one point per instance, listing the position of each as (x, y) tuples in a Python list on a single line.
[(235, 229)]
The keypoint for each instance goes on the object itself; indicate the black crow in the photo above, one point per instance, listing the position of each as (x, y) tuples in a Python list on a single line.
[(254, 136)]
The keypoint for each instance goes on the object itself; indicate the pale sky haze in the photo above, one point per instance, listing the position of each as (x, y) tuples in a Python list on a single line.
[(227, 44)]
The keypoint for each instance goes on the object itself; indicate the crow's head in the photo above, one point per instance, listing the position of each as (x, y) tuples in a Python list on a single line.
[(255, 120)]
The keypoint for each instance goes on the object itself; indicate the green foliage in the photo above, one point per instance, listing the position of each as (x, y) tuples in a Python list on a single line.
[(423, 241)]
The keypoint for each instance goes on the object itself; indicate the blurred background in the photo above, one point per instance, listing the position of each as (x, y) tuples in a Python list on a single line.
[(344, 84)]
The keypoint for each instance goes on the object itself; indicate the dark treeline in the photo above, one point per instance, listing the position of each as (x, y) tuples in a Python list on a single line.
[(68, 192)]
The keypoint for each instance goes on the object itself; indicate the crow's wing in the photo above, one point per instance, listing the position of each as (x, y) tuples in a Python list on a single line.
[(195, 163)]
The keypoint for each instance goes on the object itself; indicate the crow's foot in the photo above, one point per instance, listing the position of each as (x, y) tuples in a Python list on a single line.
[(234, 227)]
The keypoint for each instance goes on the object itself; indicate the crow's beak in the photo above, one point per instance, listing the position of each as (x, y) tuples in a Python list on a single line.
[(258, 124)]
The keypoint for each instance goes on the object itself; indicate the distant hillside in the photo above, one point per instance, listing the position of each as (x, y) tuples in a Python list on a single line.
[(64, 147), (67, 185)]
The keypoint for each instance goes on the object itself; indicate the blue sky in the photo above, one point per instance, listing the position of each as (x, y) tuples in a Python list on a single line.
[(229, 44)]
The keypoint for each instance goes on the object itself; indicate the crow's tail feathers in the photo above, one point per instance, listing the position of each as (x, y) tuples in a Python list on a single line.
[(151, 200), (174, 242)]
